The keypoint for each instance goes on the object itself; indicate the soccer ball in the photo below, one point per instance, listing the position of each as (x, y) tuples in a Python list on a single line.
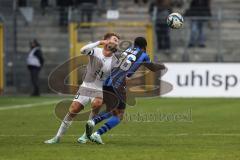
[(175, 20)]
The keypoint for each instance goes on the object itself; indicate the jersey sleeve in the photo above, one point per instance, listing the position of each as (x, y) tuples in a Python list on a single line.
[(147, 59), (89, 49)]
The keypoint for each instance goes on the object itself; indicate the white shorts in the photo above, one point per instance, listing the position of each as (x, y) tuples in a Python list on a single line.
[(87, 94), (84, 100)]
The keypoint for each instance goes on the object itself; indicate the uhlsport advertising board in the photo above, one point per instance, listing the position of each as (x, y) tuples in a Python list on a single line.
[(203, 79)]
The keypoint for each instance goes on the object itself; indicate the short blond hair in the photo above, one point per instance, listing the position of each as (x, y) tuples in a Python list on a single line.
[(110, 34)]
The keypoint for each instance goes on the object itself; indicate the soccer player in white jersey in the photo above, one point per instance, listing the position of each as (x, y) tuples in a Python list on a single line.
[(98, 69)]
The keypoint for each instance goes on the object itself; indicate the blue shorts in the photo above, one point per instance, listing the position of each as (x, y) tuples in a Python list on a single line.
[(114, 97)]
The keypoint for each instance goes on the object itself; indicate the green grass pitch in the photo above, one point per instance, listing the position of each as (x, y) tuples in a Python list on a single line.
[(212, 132)]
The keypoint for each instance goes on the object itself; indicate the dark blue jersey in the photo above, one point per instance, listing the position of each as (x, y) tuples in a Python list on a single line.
[(129, 61)]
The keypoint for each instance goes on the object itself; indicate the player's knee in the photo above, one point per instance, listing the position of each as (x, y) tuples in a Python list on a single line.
[(120, 117), (75, 107), (97, 103), (119, 113)]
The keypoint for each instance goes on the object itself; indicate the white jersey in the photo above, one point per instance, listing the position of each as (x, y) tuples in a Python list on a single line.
[(32, 59), (99, 66), (98, 70)]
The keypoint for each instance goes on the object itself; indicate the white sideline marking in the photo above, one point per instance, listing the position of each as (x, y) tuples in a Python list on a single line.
[(27, 105), (129, 135), (219, 134)]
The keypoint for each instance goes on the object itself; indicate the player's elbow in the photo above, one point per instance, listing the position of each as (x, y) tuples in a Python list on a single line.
[(86, 51), (160, 67), (163, 67), (154, 69), (83, 50)]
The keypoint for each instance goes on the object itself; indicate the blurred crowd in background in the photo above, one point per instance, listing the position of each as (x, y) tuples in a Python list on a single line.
[(158, 10), (197, 8)]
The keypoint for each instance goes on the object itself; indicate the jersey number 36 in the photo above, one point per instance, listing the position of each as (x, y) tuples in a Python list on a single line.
[(125, 62)]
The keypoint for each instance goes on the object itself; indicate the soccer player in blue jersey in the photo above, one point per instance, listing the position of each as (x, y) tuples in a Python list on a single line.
[(114, 88)]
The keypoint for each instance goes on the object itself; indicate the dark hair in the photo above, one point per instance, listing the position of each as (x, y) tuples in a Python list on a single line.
[(110, 34), (35, 42), (140, 42)]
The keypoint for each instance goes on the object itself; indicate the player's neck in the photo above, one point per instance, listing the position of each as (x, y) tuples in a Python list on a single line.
[(107, 53)]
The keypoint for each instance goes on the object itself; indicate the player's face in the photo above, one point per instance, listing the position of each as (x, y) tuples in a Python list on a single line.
[(113, 42)]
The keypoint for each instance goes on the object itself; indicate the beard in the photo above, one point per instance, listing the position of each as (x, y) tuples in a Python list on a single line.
[(112, 47)]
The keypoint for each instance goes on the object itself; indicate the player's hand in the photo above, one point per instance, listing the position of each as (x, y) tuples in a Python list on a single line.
[(104, 42)]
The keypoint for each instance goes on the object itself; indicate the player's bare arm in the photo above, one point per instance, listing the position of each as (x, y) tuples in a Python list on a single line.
[(154, 67)]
